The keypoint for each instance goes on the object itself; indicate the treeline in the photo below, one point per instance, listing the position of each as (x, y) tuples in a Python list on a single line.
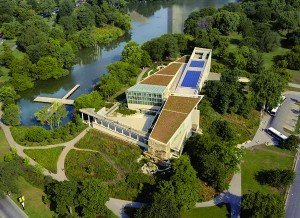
[(261, 26), (48, 34)]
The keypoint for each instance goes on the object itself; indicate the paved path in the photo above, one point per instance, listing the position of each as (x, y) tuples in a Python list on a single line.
[(294, 85), (8, 209), (292, 209), (117, 206), (140, 76), (60, 175)]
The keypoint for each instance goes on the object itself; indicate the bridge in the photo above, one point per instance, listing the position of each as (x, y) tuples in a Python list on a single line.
[(63, 100)]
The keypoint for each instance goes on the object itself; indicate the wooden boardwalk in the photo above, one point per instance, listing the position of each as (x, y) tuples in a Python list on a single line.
[(62, 100), (53, 100), (71, 91)]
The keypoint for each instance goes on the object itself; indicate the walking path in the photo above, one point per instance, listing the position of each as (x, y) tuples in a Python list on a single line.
[(60, 175), (294, 85), (140, 76), (231, 196)]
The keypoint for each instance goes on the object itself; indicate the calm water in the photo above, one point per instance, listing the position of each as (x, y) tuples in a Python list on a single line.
[(149, 20)]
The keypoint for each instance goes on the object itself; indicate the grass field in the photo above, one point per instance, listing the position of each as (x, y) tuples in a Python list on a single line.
[(208, 212), (45, 157), (34, 207), (78, 162), (4, 147), (262, 158)]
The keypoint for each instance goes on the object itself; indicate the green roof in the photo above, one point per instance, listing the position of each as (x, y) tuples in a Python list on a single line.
[(146, 88)]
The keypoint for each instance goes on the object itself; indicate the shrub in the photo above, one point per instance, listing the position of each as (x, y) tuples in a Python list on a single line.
[(262, 205), (37, 134), (291, 143), (276, 178)]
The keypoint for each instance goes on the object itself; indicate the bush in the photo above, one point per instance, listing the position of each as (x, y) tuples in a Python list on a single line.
[(276, 178), (37, 134), (291, 143), (262, 205), (123, 109)]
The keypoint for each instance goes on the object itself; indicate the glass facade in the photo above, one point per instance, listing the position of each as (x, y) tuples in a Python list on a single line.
[(145, 98)]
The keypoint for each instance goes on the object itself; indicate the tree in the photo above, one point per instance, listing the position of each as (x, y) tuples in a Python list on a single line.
[(91, 100), (178, 194), (93, 194), (184, 181), (276, 178), (48, 67), (262, 205), (293, 58), (133, 54), (213, 159), (47, 7), (9, 174), (37, 134), (11, 115), (11, 30), (267, 87), (6, 11), (293, 38), (291, 143), (223, 130), (52, 115), (66, 8), (288, 20), (163, 205), (21, 82), (62, 195), (8, 94), (266, 39), (226, 22), (108, 85), (85, 17), (123, 71)]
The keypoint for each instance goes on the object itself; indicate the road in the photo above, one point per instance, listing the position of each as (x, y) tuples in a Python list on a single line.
[(287, 114), (292, 209), (8, 209)]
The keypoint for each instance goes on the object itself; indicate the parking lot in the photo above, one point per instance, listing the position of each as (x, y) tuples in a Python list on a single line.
[(287, 115)]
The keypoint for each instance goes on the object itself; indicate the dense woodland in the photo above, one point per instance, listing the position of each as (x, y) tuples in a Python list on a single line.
[(261, 26)]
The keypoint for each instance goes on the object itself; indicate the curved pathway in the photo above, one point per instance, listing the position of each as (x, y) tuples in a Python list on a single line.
[(60, 175)]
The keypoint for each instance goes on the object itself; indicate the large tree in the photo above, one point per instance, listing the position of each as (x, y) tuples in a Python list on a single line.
[(11, 115), (93, 194), (267, 87), (91, 100), (9, 173), (226, 22), (62, 195)]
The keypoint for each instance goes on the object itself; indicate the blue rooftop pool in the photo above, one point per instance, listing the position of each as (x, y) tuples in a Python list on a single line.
[(191, 79), (197, 64)]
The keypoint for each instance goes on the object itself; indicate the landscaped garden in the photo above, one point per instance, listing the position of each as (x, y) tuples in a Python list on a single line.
[(85, 164), (115, 162), (260, 158), (45, 157)]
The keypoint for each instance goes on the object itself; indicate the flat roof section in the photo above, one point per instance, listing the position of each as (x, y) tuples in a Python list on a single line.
[(146, 88), (159, 80), (174, 112), (191, 79), (199, 64), (171, 69), (181, 104)]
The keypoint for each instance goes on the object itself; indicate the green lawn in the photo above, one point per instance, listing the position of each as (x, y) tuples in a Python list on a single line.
[(4, 147), (34, 207), (262, 158), (78, 164), (45, 157), (208, 212)]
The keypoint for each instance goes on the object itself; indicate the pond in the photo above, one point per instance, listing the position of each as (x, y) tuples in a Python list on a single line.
[(149, 20)]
